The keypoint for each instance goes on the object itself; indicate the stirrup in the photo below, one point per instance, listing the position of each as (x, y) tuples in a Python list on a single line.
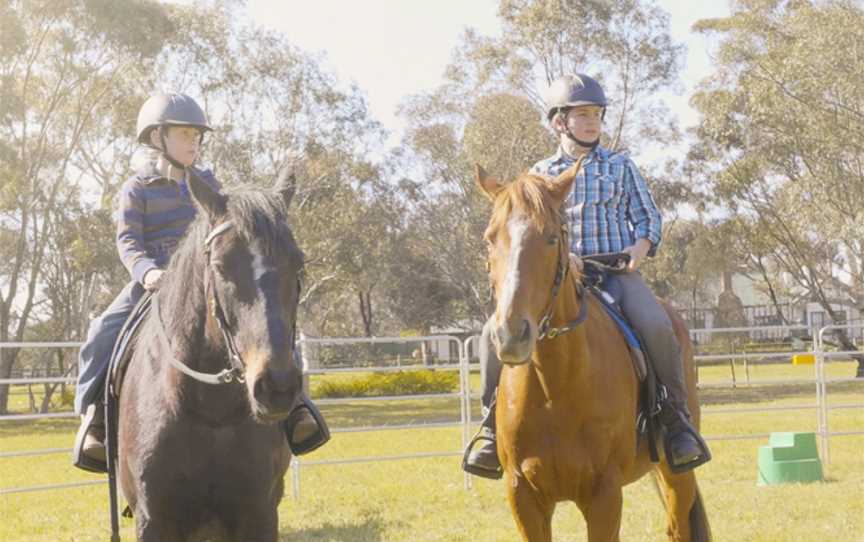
[(79, 458), (313, 442), (705, 453), (482, 434)]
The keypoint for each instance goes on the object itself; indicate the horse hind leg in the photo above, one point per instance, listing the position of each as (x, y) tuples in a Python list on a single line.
[(532, 514), (686, 519)]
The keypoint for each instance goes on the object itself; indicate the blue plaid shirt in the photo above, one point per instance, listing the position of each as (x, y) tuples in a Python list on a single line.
[(610, 205)]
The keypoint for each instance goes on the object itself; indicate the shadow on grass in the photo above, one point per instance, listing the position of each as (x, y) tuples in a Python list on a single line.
[(40, 427), (394, 412), (370, 529), (755, 393)]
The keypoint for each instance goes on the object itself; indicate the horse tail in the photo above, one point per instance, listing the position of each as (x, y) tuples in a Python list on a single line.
[(700, 530)]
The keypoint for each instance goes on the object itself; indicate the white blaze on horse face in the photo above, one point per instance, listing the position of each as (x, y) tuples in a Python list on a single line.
[(516, 227), (259, 268)]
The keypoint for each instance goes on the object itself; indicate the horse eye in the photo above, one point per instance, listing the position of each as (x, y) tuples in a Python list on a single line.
[(552, 240), (220, 266)]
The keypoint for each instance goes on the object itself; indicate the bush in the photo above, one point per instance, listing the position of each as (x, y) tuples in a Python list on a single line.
[(383, 384)]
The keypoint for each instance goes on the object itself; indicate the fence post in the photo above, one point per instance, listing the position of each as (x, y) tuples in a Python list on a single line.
[(295, 477), (821, 398), (465, 396)]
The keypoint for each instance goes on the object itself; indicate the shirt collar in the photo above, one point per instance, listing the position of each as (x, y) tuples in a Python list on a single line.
[(150, 174), (597, 153)]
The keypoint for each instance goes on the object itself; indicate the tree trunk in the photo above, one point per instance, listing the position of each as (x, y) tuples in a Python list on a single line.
[(7, 363), (366, 311)]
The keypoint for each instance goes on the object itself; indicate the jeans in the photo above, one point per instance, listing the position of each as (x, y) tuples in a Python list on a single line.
[(95, 355)]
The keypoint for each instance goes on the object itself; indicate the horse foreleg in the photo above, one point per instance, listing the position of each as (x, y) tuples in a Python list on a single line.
[(148, 530), (603, 511), (533, 515), (680, 494)]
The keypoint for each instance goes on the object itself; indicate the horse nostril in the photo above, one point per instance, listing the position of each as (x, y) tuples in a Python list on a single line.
[(260, 388), (526, 331), (282, 381)]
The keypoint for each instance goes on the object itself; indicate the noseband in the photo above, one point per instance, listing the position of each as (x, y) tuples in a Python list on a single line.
[(236, 370)]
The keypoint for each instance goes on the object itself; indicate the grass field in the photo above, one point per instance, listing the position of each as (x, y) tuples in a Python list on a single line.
[(424, 499)]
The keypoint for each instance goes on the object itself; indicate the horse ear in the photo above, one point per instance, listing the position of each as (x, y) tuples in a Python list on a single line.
[(212, 202), (286, 185), (560, 186), (487, 184)]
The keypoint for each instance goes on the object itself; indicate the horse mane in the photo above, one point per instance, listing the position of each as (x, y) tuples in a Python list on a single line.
[(529, 195), (258, 216)]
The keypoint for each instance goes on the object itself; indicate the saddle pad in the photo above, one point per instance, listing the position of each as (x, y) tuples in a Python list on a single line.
[(636, 351), (122, 352)]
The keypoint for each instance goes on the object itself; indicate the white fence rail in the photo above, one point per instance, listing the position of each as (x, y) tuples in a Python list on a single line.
[(465, 395)]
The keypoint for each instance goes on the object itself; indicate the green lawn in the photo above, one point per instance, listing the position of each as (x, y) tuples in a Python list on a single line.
[(424, 499)]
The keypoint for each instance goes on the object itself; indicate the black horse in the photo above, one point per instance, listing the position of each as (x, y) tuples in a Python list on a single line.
[(205, 461)]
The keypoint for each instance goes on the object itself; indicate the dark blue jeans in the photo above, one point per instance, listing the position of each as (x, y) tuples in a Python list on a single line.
[(95, 354)]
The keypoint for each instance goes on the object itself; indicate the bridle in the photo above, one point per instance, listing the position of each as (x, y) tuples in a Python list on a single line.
[(544, 328), (235, 372)]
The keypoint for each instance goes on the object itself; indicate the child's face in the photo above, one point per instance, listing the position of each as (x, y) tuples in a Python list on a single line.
[(584, 121), (183, 144)]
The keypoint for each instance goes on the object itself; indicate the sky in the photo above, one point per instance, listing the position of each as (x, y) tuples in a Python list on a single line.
[(395, 48)]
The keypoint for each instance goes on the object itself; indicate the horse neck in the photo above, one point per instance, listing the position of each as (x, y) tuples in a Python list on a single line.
[(196, 343), (183, 312)]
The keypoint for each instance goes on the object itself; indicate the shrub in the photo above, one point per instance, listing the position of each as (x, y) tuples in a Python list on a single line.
[(383, 384)]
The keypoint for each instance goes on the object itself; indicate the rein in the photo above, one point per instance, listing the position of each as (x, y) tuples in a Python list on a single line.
[(236, 370), (545, 330)]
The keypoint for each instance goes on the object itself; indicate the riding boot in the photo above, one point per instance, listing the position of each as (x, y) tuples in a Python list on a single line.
[(684, 447), (305, 428), (482, 460), (89, 451)]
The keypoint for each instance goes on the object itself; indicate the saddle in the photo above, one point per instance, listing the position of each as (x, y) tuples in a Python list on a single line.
[(122, 353)]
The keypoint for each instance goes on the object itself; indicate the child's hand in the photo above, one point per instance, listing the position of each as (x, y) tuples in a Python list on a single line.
[(637, 253), (576, 264), (152, 278)]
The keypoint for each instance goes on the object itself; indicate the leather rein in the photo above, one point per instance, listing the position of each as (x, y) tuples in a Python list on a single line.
[(545, 329)]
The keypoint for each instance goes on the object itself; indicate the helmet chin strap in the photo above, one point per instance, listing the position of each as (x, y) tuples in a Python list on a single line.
[(590, 145)]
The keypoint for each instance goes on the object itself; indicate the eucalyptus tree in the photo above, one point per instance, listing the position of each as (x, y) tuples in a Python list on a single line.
[(781, 142)]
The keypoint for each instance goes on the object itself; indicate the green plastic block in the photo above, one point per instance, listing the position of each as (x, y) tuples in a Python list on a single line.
[(788, 458)]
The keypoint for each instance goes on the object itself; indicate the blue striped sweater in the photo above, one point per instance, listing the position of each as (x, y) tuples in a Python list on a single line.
[(153, 213)]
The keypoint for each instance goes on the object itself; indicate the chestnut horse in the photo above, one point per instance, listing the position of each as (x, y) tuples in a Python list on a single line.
[(567, 401), (201, 451)]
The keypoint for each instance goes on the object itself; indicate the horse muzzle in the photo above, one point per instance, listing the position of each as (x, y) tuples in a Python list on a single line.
[(274, 391), (514, 347)]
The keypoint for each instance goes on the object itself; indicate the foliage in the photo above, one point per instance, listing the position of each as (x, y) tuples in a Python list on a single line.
[(384, 384), (781, 144), (489, 110)]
